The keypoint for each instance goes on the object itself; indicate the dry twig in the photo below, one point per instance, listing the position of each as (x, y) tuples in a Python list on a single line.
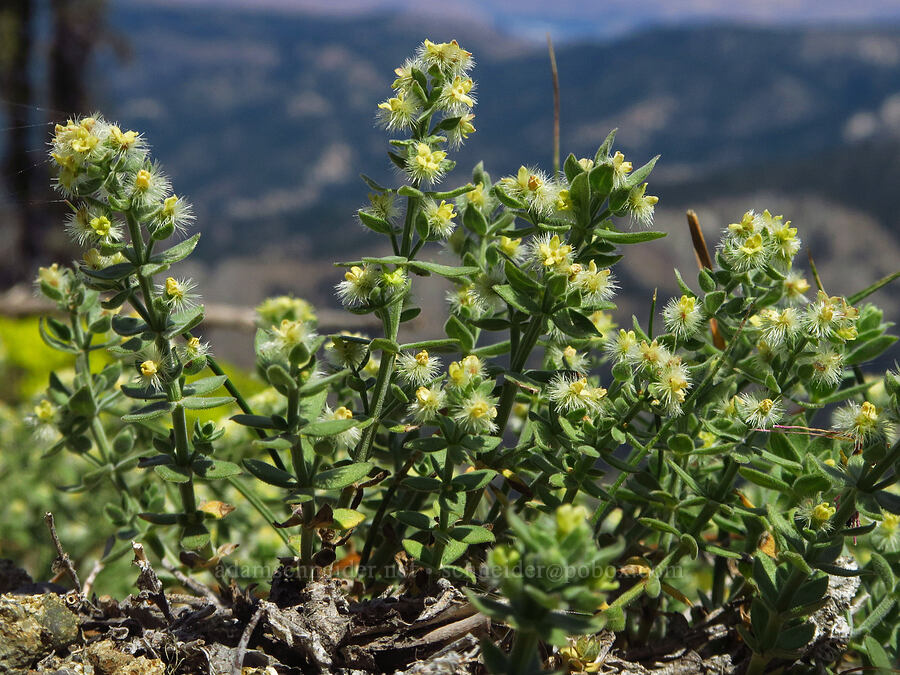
[(63, 561), (245, 640)]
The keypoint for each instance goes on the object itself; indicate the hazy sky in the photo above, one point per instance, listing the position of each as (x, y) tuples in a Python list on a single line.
[(581, 18)]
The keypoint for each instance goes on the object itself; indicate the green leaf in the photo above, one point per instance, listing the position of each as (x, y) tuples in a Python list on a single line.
[(442, 345), (414, 548), (279, 378), (205, 402), (603, 150), (473, 480), (685, 289), (326, 428), (508, 200), (372, 184), (878, 656), (215, 469), (681, 444), (601, 179), (385, 345), (422, 483), (182, 323), (346, 519), (111, 273), (795, 638), (255, 421), (764, 480), (882, 569), (374, 223), (195, 537), (628, 237), (659, 525), (204, 385), (176, 253), (269, 474), (481, 443), (453, 549), (409, 191), (128, 325), (571, 167), (575, 324), (519, 280), (430, 444), (474, 220), (82, 402), (443, 270), (638, 175), (686, 477), (149, 412), (160, 518), (471, 534), (414, 519), (172, 474), (341, 476), (869, 350), (517, 300), (458, 331), (580, 196)]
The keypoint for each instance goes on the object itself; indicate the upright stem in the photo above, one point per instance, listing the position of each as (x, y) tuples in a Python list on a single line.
[(173, 389), (524, 650), (385, 370), (517, 362)]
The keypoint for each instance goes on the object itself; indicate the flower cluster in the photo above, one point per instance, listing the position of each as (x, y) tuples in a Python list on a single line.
[(760, 239), (94, 157)]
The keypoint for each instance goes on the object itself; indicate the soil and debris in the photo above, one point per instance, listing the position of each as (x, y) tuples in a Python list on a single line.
[(316, 629)]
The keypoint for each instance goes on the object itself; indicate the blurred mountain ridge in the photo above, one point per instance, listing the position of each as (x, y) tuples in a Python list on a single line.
[(266, 119)]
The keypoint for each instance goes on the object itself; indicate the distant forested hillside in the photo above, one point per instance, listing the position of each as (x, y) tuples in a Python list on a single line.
[(266, 119)]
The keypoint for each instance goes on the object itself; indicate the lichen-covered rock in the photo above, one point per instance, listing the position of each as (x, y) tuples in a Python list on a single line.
[(108, 660), (32, 626)]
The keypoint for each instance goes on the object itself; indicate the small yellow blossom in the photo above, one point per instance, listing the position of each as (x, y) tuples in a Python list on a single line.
[(124, 140)]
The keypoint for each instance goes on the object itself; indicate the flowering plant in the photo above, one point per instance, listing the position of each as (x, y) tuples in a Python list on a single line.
[(465, 455)]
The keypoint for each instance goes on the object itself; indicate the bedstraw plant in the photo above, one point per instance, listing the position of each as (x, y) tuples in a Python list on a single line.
[(558, 467)]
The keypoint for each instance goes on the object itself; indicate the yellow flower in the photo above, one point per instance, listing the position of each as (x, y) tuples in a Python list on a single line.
[(510, 246), (823, 512), (142, 180), (621, 168), (552, 252), (752, 246), (44, 411), (563, 202), (476, 196), (458, 91), (425, 163), (101, 225), (343, 413), (123, 140)]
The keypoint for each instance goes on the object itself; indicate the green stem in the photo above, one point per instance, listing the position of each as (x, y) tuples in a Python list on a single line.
[(412, 208), (711, 507), (214, 366), (388, 498), (517, 362), (524, 651), (261, 508), (880, 468), (385, 370)]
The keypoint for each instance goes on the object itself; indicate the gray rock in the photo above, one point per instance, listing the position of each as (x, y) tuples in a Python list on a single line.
[(32, 626)]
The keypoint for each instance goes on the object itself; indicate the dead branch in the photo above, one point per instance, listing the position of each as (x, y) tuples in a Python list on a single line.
[(63, 561)]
